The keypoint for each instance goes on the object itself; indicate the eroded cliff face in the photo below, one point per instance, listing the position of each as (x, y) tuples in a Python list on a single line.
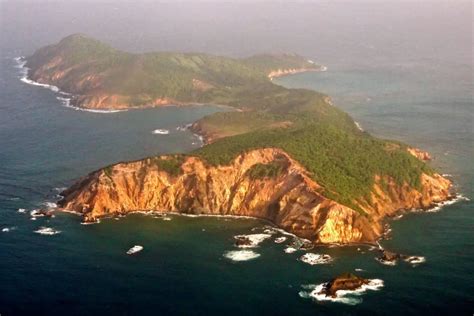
[(291, 200)]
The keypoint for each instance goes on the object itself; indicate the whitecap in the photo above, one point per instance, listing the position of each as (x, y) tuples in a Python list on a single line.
[(134, 249), (398, 217), (253, 239), (456, 199), (359, 127), (8, 229), (415, 260), (166, 218), (184, 127), (50, 205), (386, 262), (47, 231), (359, 270), (342, 296), (315, 258), (279, 240), (160, 131), (36, 213), (97, 221), (21, 210), (290, 249), (241, 255)]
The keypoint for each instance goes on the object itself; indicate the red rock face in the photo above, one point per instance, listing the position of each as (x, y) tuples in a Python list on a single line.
[(291, 200), (420, 154)]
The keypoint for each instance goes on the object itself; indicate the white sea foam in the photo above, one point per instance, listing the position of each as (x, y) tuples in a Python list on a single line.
[(50, 205), (315, 258), (47, 231), (279, 240), (415, 260), (66, 102), (134, 249), (290, 249), (184, 127), (359, 127), (241, 255), (398, 217), (359, 270), (342, 296), (254, 239), (21, 210), (97, 221), (161, 131), (166, 218), (8, 229), (386, 262), (36, 213), (440, 205)]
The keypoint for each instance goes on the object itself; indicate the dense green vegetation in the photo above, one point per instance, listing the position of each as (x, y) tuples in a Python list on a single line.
[(184, 77), (170, 164), (344, 163)]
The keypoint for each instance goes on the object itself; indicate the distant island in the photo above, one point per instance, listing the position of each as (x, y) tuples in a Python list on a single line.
[(285, 155)]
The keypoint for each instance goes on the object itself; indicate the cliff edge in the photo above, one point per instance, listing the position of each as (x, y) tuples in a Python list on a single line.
[(265, 183)]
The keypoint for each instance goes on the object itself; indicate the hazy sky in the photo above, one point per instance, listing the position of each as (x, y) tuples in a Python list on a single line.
[(437, 29)]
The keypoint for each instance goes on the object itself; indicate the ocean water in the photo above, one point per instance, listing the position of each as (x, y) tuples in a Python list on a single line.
[(422, 96)]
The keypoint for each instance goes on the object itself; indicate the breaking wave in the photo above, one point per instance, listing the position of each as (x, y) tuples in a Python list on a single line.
[(342, 296), (241, 255)]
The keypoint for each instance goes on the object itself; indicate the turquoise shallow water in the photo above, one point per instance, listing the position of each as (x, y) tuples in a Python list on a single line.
[(182, 270)]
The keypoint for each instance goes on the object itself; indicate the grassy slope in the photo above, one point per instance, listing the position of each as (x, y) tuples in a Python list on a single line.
[(322, 138)]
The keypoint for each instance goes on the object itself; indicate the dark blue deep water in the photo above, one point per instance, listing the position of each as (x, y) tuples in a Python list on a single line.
[(407, 91)]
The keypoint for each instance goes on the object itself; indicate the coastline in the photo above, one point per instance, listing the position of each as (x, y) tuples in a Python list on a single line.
[(64, 99)]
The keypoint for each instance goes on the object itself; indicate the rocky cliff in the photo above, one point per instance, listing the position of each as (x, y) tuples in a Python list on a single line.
[(290, 198)]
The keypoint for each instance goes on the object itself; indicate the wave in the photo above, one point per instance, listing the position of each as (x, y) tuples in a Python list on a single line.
[(415, 260), (184, 127), (359, 127), (315, 258), (279, 240), (50, 205), (66, 102), (241, 255), (8, 229), (252, 240), (47, 231), (290, 249), (134, 249), (440, 205), (160, 131), (342, 296)]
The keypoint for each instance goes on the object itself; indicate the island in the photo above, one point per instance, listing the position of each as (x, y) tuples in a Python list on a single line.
[(288, 156)]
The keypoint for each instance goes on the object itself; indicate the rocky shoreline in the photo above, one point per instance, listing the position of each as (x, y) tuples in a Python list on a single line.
[(292, 201)]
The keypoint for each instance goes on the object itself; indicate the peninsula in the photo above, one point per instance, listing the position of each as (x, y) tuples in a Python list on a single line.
[(285, 155)]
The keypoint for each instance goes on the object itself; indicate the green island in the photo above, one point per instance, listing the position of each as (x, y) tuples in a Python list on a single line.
[(342, 159)]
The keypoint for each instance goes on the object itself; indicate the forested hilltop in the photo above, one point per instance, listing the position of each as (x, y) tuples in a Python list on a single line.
[(345, 162)]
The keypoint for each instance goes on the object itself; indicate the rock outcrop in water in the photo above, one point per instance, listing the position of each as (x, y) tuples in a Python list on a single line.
[(291, 199), (343, 282)]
